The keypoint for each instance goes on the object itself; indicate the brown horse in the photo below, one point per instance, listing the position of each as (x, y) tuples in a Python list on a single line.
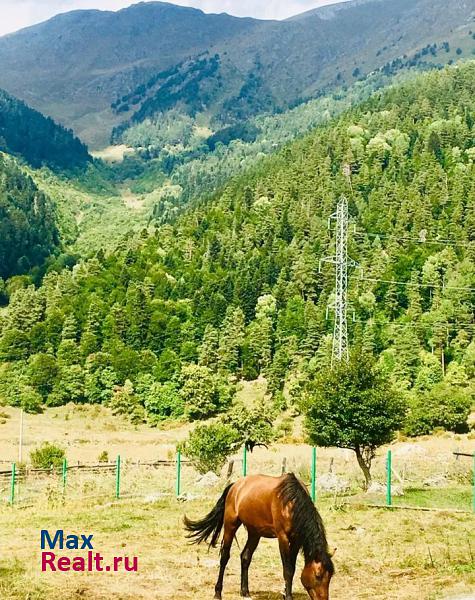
[(270, 507)]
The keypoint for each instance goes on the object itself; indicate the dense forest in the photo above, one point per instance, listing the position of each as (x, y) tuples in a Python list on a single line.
[(187, 161), (37, 139), (232, 287), (28, 230)]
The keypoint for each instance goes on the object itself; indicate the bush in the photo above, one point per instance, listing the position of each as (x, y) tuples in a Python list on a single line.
[(46, 455), (209, 446), (31, 401), (103, 457), (163, 401), (443, 406), (125, 402), (252, 426)]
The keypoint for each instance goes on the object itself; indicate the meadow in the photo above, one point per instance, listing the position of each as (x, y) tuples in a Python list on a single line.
[(381, 553)]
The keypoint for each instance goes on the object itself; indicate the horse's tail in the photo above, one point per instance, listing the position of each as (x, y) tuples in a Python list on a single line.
[(211, 525)]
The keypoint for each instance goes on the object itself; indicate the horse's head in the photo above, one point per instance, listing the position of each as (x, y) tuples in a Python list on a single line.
[(316, 578)]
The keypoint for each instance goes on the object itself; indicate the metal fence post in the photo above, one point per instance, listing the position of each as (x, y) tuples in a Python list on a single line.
[(473, 497), (314, 475), (178, 474), (389, 499), (244, 461), (12, 487), (117, 478), (65, 470)]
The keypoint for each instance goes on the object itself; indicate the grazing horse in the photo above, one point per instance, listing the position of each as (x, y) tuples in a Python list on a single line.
[(269, 507)]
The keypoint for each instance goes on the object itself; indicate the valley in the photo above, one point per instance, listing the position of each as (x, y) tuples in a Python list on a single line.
[(231, 246)]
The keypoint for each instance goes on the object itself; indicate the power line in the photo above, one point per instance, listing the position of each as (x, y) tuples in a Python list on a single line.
[(419, 240), (416, 325), (418, 285)]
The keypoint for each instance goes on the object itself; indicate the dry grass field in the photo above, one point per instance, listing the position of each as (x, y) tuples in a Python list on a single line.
[(382, 554)]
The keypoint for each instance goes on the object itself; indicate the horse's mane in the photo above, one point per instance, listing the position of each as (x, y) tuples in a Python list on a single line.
[(306, 521)]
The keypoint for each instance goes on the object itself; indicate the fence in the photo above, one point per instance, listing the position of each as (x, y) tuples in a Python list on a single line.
[(417, 482)]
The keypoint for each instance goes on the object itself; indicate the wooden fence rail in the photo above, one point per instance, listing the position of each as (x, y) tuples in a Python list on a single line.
[(91, 467)]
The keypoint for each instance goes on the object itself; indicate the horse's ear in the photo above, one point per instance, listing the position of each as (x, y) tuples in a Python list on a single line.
[(332, 554)]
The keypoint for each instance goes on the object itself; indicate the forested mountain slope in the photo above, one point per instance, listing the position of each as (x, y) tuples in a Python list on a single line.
[(73, 66), (233, 286), (28, 230), (94, 70), (38, 140)]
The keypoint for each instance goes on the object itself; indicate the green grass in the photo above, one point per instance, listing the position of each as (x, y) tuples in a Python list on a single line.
[(459, 498)]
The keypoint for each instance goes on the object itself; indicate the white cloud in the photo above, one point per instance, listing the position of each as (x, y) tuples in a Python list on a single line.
[(15, 14)]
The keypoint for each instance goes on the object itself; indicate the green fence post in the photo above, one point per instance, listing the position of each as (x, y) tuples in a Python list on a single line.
[(178, 474), (389, 499), (12, 487), (65, 470), (244, 461), (314, 475), (117, 478), (473, 499)]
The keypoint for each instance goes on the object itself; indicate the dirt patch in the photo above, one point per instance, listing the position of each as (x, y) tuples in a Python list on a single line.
[(113, 154), (132, 201)]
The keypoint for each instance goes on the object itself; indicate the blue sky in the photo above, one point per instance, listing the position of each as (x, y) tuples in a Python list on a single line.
[(15, 14)]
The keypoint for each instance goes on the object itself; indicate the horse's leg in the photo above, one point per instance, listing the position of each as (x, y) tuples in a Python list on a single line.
[(229, 533), (246, 557), (288, 554)]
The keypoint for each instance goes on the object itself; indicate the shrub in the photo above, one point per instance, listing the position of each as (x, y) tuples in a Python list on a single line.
[(125, 402), (443, 406), (286, 427), (46, 455), (163, 401), (31, 401), (253, 426), (209, 446), (103, 457)]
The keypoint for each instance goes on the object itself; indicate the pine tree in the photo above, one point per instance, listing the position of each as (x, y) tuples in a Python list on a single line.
[(231, 340), (70, 328), (208, 351), (137, 316)]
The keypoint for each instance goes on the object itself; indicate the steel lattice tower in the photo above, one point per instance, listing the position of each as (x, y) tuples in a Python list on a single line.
[(341, 261), (340, 332)]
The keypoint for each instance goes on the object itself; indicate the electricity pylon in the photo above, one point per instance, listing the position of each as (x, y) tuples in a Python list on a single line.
[(340, 350)]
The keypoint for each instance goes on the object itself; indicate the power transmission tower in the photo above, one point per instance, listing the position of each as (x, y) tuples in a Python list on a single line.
[(341, 261)]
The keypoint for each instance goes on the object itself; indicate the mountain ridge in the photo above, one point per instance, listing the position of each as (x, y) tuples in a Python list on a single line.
[(75, 66), (76, 60)]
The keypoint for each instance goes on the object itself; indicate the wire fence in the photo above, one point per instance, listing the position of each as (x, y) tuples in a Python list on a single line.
[(415, 481)]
